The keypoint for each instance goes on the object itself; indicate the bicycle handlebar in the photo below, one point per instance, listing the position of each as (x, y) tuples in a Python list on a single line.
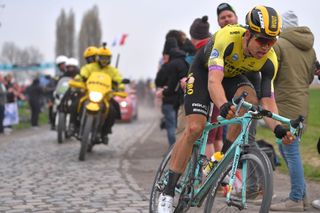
[(295, 126)]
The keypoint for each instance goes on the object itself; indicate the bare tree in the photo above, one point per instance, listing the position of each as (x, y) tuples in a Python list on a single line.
[(70, 29), (90, 32), (65, 34), (30, 56), (9, 53), (12, 54), (61, 34)]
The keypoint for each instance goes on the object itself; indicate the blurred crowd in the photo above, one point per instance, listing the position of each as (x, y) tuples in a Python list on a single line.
[(15, 96), (38, 97)]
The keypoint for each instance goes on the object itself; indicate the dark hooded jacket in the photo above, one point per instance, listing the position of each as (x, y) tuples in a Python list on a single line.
[(296, 58), (177, 68)]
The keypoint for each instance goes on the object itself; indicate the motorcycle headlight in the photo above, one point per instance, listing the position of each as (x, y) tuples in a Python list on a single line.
[(123, 104), (95, 96)]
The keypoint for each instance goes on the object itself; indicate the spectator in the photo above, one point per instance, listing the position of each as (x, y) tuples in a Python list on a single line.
[(49, 99), (35, 95), (11, 97), (3, 100), (226, 15), (12, 94), (296, 57), (179, 36), (170, 101)]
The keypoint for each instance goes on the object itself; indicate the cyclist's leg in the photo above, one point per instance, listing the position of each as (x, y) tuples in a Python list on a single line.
[(234, 87), (255, 79), (182, 150), (196, 104)]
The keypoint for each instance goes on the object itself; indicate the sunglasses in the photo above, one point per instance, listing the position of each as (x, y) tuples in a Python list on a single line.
[(265, 41)]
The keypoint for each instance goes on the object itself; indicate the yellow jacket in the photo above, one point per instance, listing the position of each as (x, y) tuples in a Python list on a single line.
[(113, 72)]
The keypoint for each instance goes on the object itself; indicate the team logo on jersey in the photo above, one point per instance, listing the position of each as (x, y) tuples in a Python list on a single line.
[(234, 32), (235, 57), (190, 83), (251, 64), (214, 53)]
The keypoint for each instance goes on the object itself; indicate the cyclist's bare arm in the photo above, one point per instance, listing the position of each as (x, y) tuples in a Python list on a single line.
[(215, 87), (216, 90)]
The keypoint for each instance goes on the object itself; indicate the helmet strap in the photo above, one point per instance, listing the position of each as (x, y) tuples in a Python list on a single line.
[(247, 45)]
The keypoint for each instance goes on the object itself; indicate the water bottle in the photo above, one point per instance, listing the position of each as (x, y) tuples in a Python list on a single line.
[(215, 158)]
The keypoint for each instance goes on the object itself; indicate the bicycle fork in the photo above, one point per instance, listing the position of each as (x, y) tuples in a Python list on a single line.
[(230, 202)]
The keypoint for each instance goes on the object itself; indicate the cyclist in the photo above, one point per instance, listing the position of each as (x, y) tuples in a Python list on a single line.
[(103, 65), (90, 54), (217, 74)]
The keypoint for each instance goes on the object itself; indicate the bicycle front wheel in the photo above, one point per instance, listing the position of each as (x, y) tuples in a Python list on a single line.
[(183, 190), (258, 187)]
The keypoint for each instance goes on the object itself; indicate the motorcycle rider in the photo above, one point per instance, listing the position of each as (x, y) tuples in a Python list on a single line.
[(90, 54), (102, 64), (61, 63), (61, 67), (72, 68)]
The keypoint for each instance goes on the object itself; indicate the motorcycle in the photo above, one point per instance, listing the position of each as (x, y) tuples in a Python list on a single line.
[(60, 109), (93, 108)]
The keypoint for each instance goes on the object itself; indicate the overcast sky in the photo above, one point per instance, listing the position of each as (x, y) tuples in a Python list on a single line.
[(33, 22)]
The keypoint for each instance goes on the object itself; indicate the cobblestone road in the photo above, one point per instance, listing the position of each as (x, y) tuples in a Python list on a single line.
[(39, 175)]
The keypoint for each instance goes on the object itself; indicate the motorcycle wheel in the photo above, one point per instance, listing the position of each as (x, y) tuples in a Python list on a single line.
[(61, 127), (68, 132), (85, 139)]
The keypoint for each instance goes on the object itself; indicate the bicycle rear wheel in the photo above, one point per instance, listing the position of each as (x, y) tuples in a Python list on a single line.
[(259, 187), (183, 188)]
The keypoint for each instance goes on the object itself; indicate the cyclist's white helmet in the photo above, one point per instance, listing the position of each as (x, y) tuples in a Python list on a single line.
[(61, 59), (72, 62)]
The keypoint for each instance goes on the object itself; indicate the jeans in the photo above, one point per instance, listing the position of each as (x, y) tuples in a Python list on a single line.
[(170, 116), (291, 155)]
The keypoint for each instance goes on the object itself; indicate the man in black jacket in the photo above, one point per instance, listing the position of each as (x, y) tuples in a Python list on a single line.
[(168, 79)]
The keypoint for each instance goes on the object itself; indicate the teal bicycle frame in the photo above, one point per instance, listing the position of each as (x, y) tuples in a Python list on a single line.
[(234, 152)]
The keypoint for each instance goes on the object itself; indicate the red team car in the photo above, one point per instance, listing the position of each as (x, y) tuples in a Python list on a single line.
[(128, 105)]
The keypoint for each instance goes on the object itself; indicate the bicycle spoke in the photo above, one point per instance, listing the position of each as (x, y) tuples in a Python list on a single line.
[(256, 191)]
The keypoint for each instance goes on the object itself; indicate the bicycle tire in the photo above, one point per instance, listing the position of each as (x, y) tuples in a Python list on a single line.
[(217, 202), (160, 179), (157, 186)]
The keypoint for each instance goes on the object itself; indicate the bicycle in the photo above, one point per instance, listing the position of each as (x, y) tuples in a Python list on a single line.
[(253, 165)]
